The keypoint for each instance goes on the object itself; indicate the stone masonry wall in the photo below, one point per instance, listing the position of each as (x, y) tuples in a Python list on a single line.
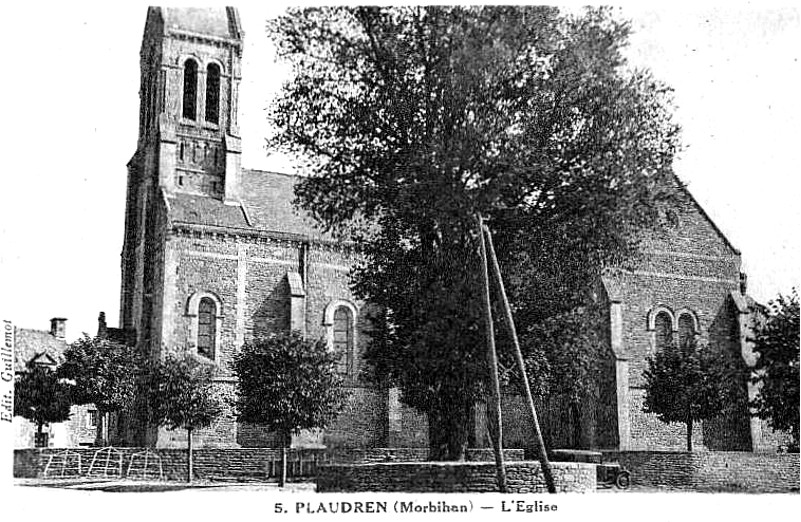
[(362, 423), (689, 267), (227, 463), (249, 277), (453, 477), (712, 470)]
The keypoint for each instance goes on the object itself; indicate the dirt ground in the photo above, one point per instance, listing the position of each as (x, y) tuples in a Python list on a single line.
[(87, 484)]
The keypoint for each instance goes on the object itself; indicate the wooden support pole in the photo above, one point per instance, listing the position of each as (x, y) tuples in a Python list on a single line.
[(190, 472), (494, 405), (542, 454)]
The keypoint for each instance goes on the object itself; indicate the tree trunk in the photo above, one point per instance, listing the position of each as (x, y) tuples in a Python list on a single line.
[(191, 470), (282, 475), (39, 436), (99, 432), (689, 433), (104, 428), (448, 430), (575, 421)]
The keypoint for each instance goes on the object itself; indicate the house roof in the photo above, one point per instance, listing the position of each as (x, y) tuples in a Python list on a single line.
[(36, 344)]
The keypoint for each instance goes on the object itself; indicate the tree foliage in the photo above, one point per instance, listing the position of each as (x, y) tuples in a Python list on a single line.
[(104, 373), (41, 396), (412, 120), (687, 384), (776, 341), (565, 353), (288, 384), (181, 393)]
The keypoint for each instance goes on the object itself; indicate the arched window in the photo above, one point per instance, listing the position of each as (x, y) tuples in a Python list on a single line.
[(343, 337), (190, 89), (686, 328), (213, 93), (204, 311), (206, 328), (663, 327)]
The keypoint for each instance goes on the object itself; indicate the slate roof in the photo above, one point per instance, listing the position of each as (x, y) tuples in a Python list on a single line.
[(118, 335), (203, 210), (266, 206), (268, 201), (221, 22), (36, 343)]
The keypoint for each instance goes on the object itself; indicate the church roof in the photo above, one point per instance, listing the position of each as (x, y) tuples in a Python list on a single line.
[(268, 196), (203, 210), (266, 206), (220, 22)]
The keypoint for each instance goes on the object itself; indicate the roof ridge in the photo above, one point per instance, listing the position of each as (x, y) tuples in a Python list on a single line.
[(260, 171), (19, 328)]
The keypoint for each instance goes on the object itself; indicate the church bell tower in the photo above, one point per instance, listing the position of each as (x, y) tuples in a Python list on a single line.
[(188, 146), (191, 70)]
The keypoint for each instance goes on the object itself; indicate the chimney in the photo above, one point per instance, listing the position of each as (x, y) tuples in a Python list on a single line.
[(58, 327), (743, 283), (102, 328)]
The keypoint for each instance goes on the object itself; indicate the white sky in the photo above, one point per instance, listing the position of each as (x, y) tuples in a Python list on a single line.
[(70, 91)]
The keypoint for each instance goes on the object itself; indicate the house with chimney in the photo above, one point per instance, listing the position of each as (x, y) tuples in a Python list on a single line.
[(46, 348)]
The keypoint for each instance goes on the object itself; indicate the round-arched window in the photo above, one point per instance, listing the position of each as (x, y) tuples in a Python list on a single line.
[(663, 327), (206, 328), (190, 89), (213, 93), (686, 329), (343, 337)]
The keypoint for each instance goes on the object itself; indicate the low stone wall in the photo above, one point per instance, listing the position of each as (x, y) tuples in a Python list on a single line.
[(374, 455), (712, 470), (230, 463), (572, 455), (452, 477), (32, 463)]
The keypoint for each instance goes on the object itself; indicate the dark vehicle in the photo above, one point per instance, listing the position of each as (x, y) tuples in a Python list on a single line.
[(612, 473)]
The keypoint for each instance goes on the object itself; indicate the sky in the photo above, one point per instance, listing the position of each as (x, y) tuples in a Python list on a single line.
[(70, 91)]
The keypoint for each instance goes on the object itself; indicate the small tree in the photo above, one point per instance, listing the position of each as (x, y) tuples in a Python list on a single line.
[(289, 384), (41, 397), (776, 342), (181, 395), (104, 373), (687, 384)]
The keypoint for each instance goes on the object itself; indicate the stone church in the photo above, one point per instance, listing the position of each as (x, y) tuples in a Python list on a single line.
[(214, 254)]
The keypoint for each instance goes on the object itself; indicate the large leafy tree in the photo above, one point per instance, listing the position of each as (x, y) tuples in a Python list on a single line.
[(776, 341), (288, 384), (687, 384), (182, 395), (104, 373), (41, 396), (412, 120)]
